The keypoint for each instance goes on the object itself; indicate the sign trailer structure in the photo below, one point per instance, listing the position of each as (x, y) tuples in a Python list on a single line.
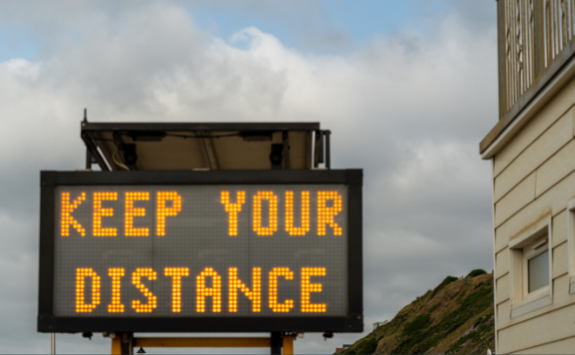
[(268, 250)]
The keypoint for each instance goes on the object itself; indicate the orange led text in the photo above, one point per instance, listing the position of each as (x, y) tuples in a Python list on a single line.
[(116, 305), (255, 295), (272, 215), (100, 212), (164, 211), (325, 214), (131, 212), (233, 209), (66, 216), (289, 213), (177, 273), (209, 285), (307, 288), (81, 275), (273, 293), (152, 300), (202, 291), (168, 204)]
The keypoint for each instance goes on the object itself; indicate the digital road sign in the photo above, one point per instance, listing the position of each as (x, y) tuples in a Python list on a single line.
[(201, 251)]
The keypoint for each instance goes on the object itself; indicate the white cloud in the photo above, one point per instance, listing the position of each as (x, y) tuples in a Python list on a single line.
[(408, 109), (433, 162), (22, 68)]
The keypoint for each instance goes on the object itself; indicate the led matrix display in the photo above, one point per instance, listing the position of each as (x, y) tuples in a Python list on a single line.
[(201, 251)]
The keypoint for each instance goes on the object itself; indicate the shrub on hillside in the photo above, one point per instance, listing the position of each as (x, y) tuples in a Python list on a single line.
[(477, 272), (445, 282), (420, 322), (368, 347)]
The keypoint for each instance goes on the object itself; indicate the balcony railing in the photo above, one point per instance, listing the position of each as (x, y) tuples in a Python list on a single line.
[(531, 34)]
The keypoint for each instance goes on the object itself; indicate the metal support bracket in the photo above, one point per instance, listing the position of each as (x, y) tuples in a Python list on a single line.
[(286, 153), (208, 151), (94, 152), (276, 343), (318, 149), (123, 343), (327, 149)]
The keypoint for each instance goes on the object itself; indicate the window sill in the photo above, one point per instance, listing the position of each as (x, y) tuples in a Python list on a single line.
[(533, 303)]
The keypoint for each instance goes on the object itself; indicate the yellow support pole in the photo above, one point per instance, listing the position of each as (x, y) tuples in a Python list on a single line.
[(176, 342), (288, 344), (117, 345)]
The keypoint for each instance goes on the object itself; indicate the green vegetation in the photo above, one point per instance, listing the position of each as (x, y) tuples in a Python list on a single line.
[(418, 323), (363, 346), (456, 317), (445, 282), (368, 347), (483, 326), (477, 272)]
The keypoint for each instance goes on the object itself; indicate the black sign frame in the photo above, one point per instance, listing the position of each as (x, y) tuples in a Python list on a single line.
[(352, 322)]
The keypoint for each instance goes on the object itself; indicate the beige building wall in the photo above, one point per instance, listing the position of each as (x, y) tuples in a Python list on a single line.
[(533, 182)]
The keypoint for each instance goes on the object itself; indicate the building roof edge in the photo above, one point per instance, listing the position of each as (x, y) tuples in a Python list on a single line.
[(553, 79)]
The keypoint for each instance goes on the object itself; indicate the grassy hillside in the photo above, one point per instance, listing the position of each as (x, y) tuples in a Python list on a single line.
[(454, 318)]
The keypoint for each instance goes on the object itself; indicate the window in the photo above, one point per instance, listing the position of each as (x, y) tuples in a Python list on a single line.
[(530, 270), (536, 265)]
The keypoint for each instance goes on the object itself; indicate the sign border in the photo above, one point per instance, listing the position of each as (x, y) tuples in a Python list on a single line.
[(352, 322)]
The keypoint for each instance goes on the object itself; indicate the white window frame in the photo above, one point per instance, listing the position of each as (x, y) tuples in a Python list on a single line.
[(571, 243), (521, 250)]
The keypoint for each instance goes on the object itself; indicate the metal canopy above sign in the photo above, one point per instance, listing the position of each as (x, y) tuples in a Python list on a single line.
[(211, 146)]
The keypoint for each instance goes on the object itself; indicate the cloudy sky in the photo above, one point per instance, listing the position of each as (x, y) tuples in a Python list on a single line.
[(408, 88)]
